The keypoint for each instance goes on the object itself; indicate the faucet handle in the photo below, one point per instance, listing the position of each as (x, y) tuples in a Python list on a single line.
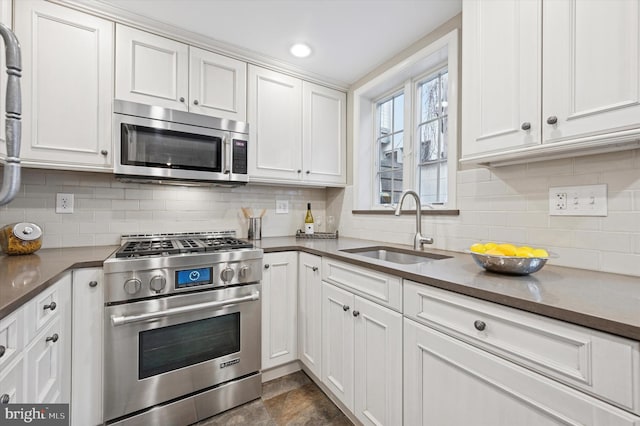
[(426, 240)]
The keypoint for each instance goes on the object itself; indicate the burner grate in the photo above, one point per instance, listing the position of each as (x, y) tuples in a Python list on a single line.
[(216, 244), (147, 248), (178, 245)]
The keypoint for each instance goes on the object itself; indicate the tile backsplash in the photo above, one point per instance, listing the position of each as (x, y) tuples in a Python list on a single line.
[(511, 204), (106, 208)]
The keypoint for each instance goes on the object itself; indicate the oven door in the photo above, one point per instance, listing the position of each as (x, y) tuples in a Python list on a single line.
[(160, 349)]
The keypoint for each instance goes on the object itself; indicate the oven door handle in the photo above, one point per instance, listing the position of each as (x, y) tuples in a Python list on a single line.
[(128, 319)]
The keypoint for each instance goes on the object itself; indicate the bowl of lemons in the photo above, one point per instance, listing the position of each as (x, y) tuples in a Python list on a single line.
[(505, 258)]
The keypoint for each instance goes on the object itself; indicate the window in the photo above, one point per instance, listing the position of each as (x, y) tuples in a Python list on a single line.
[(405, 130)]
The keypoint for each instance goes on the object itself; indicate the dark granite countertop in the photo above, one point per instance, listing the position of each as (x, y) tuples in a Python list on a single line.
[(598, 300)]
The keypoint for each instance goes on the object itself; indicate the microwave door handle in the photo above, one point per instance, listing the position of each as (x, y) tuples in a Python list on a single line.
[(128, 319), (226, 155)]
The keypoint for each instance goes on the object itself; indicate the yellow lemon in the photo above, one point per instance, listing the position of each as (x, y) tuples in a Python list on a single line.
[(526, 248), (478, 248), (489, 246), (507, 249), (540, 253), (524, 252), (494, 252)]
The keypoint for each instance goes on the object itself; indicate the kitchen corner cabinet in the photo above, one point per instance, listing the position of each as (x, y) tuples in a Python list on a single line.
[(158, 71), (279, 309), (310, 312), (87, 347), (362, 356), (297, 130), (67, 86), (549, 78), (37, 349)]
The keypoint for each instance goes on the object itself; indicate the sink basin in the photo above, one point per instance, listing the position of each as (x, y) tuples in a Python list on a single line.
[(396, 255)]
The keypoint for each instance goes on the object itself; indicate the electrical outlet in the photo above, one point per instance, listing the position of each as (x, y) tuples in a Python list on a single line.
[(282, 206), (64, 203), (583, 200)]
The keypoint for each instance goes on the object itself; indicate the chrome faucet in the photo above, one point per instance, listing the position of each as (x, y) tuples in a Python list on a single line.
[(418, 240)]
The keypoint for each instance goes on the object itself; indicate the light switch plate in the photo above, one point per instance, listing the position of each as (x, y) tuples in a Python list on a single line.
[(282, 206), (583, 200)]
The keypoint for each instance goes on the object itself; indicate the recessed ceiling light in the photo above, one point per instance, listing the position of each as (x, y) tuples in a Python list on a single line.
[(300, 50)]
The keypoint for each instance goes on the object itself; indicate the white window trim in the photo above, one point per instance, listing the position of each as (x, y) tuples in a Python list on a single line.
[(404, 73)]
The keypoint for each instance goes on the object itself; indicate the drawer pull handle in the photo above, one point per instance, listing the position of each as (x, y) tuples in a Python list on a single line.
[(4, 399), (345, 308), (356, 313), (53, 338), (51, 306), (266, 266), (93, 283), (2, 350), (314, 269), (479, 325)]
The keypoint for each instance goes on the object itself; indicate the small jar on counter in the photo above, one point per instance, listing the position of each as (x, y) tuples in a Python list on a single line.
[(20, 238)]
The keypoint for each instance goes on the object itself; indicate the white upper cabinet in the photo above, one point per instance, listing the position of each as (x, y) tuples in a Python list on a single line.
[(297, 130), (158, 71), (67, 86), (549, 79)]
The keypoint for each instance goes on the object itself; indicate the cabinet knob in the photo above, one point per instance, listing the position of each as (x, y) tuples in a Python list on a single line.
[(356, 313), (308, 171), (526, 125), (4, 399), (93, 283), (479, 325), (266, 266), (181, 99), (345, 308), (552, 120), (299, 171), (2, 350), (53, 338), (195, 102), (51, 306), (314, 269), (104, 152)]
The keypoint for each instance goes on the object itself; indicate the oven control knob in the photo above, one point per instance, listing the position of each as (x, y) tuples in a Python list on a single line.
[(157, 283), (226, 275), (244, 272), (132, 286)]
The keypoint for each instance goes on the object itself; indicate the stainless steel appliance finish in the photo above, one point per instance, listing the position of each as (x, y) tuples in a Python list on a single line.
[(13, 128), (156, 144), (182, 328)]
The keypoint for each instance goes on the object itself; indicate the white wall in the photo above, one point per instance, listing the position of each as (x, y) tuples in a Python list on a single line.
[(106, 208)]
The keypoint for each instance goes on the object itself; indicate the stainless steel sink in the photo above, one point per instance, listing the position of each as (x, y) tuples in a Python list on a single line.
[(396, 255)]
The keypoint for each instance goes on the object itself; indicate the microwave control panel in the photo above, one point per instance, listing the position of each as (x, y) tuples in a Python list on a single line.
[(239, 156)]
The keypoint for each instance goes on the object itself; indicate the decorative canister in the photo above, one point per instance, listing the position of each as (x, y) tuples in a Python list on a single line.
[(20, 238)]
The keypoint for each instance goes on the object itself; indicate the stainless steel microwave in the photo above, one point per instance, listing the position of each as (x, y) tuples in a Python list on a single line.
[(162, 145)]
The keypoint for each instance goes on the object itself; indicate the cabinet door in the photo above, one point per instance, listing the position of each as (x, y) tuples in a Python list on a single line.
[(501, 75), (86, 350), (275, 114), (151, 69), (378, 364), (337, 342), (310, 313), (12, 383), (324, 138), (279, 309), (217, 85), (67, 86), (449, 383), (44, 372), (591, 76)]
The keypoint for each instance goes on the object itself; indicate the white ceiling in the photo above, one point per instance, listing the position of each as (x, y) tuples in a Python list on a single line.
[(349, 37)]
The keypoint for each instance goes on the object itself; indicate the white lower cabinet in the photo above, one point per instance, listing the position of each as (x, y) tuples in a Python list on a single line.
[(362, 356), (87, 347), (449, 382), (279, 309), (310, 312)]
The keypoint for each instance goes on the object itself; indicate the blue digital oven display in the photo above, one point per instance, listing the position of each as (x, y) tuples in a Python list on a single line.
[(191, 277)]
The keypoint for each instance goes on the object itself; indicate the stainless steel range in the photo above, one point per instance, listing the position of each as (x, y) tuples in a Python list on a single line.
[(182, 327)]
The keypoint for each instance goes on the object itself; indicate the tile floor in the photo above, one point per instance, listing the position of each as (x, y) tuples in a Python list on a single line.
[(290, 400)]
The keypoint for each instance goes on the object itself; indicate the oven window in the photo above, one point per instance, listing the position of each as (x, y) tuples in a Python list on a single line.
[(177, 346), (149, 147)]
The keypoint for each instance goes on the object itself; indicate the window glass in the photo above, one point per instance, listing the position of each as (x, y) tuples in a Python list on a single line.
[(390, 149)]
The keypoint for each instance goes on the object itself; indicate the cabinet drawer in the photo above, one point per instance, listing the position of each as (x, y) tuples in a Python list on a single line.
[(12, 384), (376, 286), (11, 337), (42, 309), (598, 363)]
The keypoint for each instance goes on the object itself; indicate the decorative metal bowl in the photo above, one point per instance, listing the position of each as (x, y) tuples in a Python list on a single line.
[(509, 265)]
